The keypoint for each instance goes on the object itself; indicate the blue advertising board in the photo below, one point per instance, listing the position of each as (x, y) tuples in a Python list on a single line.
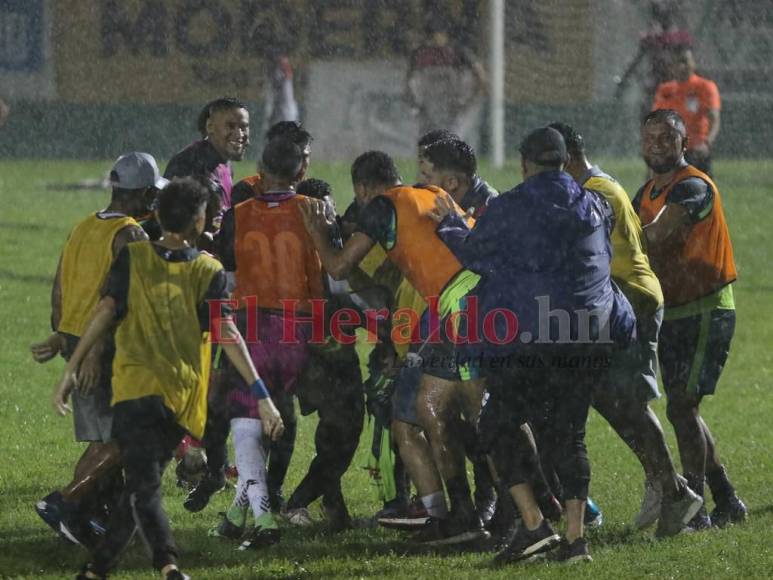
[(21, 35)]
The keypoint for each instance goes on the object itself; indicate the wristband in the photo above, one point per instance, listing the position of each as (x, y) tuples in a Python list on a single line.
[(259, 390)]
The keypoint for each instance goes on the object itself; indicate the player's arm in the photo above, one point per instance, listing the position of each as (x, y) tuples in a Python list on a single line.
[(47, 349), (336, 262), (474, 247), (714, 123), (688, 202), (101, 324), (622, 81), (671, 219)]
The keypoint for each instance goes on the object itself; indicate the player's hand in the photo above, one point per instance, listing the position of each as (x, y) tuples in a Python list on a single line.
[(89, 370), (271, 419), (314, 215), (48, 349), (62, 393), (700, 151), (444, 206)]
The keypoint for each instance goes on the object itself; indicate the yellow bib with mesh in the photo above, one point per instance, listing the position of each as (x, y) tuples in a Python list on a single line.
[(160, 347), (86, 260)]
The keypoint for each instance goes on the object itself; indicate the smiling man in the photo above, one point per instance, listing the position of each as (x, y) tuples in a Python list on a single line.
[(227, 136), (689, 247)]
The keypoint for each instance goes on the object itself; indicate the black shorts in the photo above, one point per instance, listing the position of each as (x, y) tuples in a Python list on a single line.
[(693, 351)]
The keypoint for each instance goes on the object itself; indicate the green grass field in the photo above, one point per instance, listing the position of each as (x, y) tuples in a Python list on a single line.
[(38, 452)]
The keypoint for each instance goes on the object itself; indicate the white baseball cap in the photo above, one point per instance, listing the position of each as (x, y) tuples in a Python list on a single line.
[(136, 170)]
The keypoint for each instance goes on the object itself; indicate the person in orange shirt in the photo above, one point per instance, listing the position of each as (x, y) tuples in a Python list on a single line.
[(697, 101)]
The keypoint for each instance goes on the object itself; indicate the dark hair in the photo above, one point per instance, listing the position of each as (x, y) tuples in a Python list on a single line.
[(437, 135), (452, 155), (201, 122), (221, 104), (214, 201), (282, 158), (575, 144), (666, 116), (179, 202), (316, 188), (374, 168), (291, 130)]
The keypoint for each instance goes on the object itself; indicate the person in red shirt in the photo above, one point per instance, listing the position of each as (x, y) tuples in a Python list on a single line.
[(697, 101)]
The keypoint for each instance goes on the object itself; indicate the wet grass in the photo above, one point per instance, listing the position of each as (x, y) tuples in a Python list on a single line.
[(37, 450)]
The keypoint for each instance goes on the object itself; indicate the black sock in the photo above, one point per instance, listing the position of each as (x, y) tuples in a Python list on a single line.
[(719, 484), (696, 483), (459, 495)]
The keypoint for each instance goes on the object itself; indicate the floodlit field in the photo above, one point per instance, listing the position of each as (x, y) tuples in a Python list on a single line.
[(37, 452)]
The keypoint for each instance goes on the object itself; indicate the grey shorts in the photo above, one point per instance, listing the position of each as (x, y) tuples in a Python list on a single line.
[(406, 392), (633, 372), (93, 415)]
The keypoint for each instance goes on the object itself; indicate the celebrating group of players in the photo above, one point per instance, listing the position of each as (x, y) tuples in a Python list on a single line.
[(192, 307)]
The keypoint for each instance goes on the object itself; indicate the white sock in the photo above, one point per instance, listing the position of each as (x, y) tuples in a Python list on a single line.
[(435, 504), (251, 464)]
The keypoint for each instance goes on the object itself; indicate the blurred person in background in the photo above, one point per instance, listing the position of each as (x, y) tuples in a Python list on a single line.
[(688, 244), (444, 83), (279, 94), (666, 34), (697, 101), (5, 111)]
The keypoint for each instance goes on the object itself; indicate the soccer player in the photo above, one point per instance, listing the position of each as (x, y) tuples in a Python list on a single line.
[(688, 243), (451, 165), (632, 381), (264, 242), (332, 386), (91, 248), (697, 101), (542, 251), (397, 217), (227, 135), (292, 130), (157, 293)]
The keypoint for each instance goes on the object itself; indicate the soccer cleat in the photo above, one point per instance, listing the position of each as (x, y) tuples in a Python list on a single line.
[(297, 517), (277, 502), (226, 529), (486, 504), (408, 518), (572, 553), (700, 522), (200, 495), (650, 509), (62, 518), (676, 514), (260, 538), (456, 529), (528, 543), (728, 511), (176, 574), (88, 573), (593, 516), (50, 510)]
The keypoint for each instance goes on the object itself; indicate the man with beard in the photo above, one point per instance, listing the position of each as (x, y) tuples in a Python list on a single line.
[(227, 136), (689, 248)]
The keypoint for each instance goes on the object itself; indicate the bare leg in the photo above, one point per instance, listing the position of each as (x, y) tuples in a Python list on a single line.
[(416, 454), (98, 460)]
